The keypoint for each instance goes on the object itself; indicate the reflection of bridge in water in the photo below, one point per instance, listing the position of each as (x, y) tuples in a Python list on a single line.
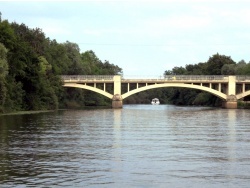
[(229, 88)]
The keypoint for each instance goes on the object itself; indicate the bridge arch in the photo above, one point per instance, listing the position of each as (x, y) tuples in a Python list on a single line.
[(75, 85), (242, 95), (203, 88)]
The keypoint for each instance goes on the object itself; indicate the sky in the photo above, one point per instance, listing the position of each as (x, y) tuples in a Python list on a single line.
[(143, 37)]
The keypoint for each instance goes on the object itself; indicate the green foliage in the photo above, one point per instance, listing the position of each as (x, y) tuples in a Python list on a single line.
[(228, 69), (242, 68), (44, 66), (3, 74), (95, 66), (56, 55), (196, 69), (179, 70), (203, 98), (3, 61), (7, 35), (31, 66), (243, 104), (215, 64), (15, 95), (74, 58)]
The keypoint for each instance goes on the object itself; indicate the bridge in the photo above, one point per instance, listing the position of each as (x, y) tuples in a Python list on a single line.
[(229, 88)]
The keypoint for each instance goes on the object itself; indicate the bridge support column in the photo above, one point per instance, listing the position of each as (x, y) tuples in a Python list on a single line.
[(117, 101), (117, 98), (230, 103)]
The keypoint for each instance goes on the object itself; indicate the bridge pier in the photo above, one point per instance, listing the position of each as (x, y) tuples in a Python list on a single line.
[(117, 98), (117, 101), (230, 103)]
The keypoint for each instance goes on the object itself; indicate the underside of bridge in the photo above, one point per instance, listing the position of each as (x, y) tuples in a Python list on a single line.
[(228, 101)]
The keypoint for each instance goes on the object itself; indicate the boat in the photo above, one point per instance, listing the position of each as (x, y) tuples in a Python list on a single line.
[(155, 101)]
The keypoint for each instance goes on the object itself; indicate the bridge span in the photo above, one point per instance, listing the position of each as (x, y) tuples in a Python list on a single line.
[(229, 88)]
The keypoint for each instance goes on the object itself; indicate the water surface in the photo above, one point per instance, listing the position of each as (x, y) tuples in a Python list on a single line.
[(137, 146)]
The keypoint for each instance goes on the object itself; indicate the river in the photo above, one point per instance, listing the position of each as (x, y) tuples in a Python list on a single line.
[(137, 146)]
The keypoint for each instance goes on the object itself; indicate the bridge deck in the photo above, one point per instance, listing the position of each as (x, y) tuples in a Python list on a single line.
[(87, 78), (180, 79), (165, 79)]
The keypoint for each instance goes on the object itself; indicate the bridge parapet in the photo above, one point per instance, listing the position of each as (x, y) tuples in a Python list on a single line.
[(181, 78), (242, 78), (78, 78), (197, 77)]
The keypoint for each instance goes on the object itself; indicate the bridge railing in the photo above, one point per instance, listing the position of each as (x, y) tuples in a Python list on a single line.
[(242, 78), (86, 77), (195, 77), (166, 77)]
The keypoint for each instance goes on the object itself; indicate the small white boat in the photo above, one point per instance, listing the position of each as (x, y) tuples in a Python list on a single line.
[(155, 101)]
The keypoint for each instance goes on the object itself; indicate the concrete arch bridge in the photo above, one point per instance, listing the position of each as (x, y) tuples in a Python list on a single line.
[(229, 88)]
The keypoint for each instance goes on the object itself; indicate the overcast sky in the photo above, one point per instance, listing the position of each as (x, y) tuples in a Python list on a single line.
[(144, 38)]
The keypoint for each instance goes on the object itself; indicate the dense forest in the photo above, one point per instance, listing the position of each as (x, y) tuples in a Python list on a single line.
[(31, 65), (30, 69)]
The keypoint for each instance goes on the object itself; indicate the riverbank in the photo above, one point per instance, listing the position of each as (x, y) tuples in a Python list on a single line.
[(26, 112), (44, 111), (243, 104)]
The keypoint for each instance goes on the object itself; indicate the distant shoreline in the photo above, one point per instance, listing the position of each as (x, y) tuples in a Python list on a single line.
[(26, 112), (44, 111)]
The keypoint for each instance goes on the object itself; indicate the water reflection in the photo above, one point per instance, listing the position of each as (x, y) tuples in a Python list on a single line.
[(117, 128), (137, 146), (232, 133)]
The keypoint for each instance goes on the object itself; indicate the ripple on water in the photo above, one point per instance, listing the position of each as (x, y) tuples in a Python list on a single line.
[(137, 146)]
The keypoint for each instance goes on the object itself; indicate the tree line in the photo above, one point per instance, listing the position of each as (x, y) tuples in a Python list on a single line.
[(30, 69), (216, 65)]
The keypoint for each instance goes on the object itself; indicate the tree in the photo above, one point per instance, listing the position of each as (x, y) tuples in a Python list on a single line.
[(3, 74), (110, 69), (228, 69), (179, 70), (73, 54), (56, 55), (216, 62), (45, 66), (7, 35), (93, 65), (196, 69), (168, 72), (243, 68), (30, 71), (91, 62)]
